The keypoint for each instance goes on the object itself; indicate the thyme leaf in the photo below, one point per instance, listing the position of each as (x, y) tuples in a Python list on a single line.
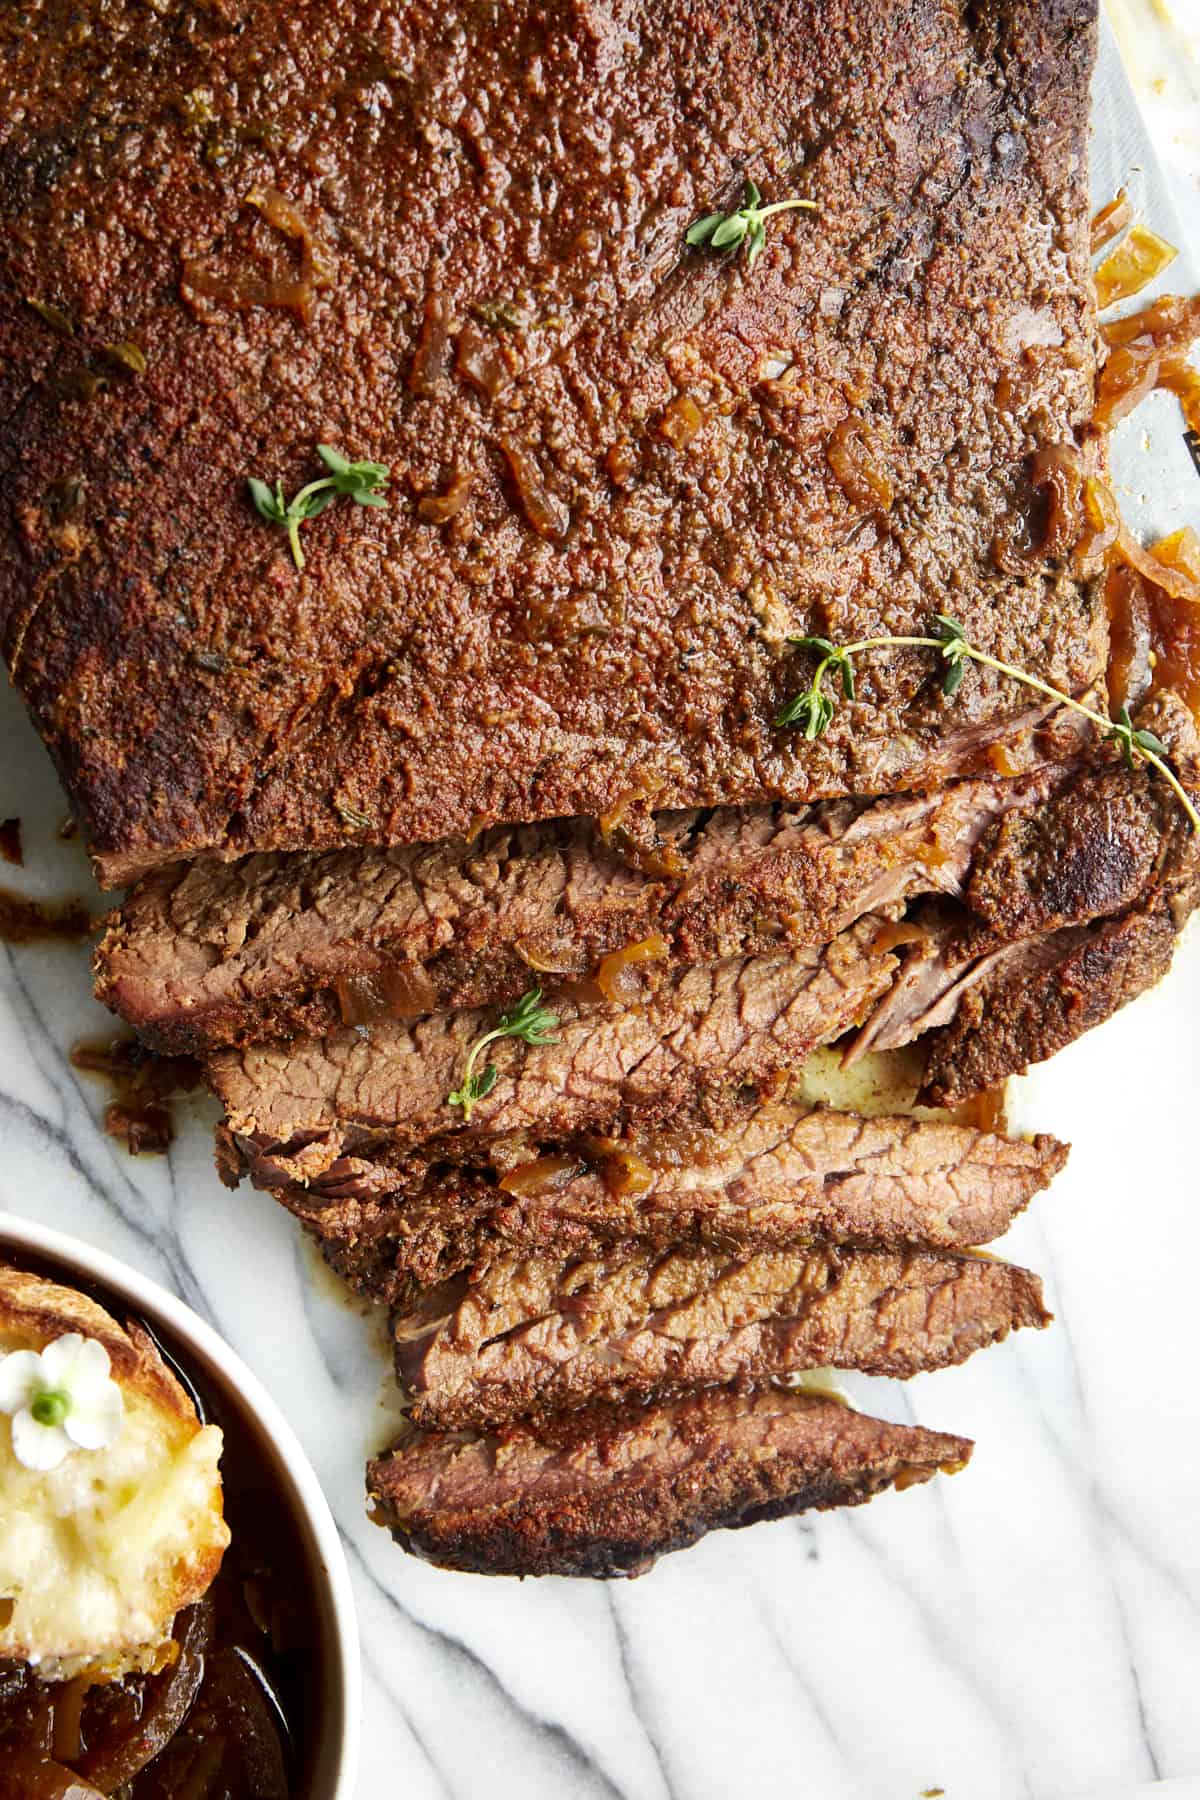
[(359, 481), (812, 709), (529, 1021), (1123, 733), (746, 225)]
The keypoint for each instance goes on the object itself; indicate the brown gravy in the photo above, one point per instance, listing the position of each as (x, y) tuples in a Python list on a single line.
[(138, 1114), (24, 921)]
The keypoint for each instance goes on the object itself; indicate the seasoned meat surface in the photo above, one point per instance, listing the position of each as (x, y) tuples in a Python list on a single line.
[(783, 1176), (207, 953), (606, 1490), (622, 472), (525, 1332)]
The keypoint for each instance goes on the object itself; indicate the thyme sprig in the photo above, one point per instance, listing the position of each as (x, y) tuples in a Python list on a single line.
[(529, 1021), (747, 225), (813, 708), (361, 481)]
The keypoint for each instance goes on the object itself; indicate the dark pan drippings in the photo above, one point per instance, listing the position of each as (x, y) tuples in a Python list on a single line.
[(10, 841), (235, 1710), (24, 921), (143, 1083)]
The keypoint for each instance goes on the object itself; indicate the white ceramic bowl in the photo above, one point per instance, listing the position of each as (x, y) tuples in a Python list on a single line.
[(333, 1776)]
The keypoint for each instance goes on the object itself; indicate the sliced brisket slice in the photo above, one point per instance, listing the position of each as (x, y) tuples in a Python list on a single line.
[(692, 1048), (1023, 1011), (664, 466), (213, 953), (782, 1176), (605, 1490), (525, 1332), (1084, 899)]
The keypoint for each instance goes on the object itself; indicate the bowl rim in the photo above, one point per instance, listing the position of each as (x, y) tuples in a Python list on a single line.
[(193, 1332)]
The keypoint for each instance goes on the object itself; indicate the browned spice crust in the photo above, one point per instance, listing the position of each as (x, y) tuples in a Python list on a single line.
[(609, 606)]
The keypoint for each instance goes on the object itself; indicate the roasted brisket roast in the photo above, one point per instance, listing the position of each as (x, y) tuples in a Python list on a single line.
[(605, 1490), (519, 725), (623, 470)]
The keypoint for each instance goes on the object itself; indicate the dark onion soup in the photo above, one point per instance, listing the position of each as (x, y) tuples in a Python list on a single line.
[(234, 1713)]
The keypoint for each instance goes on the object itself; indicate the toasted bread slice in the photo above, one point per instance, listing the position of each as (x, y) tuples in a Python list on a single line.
[(98, 1554)]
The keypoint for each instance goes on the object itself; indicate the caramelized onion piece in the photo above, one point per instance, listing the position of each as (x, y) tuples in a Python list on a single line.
[(1004, 762), (544, 1176), (547, 515), (986, 1111), (1154, 640), (625, 1174), (1110, 220), (168, 1699), (404, 991), (681, 421), (360, 999), (559, 956), (637, 839), (1182, 379), (851, 455), (437, 508), (408, 991), (241, 1714), (1129, 374), (644, 789), (480, 362), (617, 976), (1148, 350), (1133, 266), (67, 1743), (1101, 519), (245, 291), (1180, 551), (431, 363), (1172, 321), (902, 931), (1173, 577), (1057, 473)]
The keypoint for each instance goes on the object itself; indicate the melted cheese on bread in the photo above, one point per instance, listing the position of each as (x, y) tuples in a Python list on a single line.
[(98, 1554)]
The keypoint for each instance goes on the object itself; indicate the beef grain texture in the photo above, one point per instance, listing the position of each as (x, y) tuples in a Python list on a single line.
[(606, 1490), (663, 461), (296, 1113), (527, 1332), (207, 953), (785, 1175)]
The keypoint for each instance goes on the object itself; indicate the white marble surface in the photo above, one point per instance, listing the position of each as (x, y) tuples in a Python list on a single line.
[(1030, 1628)]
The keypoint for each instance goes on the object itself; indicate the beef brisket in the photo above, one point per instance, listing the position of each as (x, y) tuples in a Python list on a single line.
[(692, 1049), (783, 1176), (622, 471), (208, 953), (525, 1332), (606, 1490)]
